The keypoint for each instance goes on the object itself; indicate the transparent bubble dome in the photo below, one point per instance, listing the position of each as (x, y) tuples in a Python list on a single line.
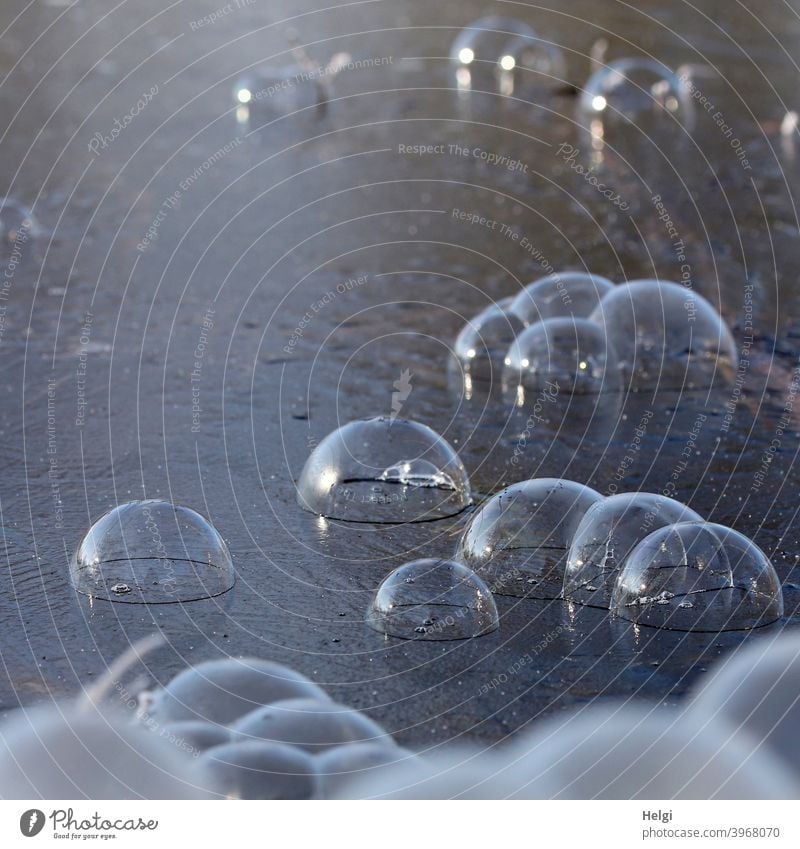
[(481, 346), (478, 49), (698, 577), (518, 540), (433, 600), (152, 552), (667, 336), (384, 470), (607, 534), (640, 93), (17, 223), (270, 93), (563, 355), (567, 293), (529, 62)]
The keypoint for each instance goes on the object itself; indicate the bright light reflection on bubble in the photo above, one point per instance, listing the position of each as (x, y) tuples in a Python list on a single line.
[(483, 341)]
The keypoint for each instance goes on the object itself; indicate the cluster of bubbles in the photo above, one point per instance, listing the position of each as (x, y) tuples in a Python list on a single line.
[(587, 336), (252, 729)]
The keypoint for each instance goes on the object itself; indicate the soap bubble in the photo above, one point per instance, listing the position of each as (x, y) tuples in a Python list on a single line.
[(384, 470), (569, 356), (667, 336), (310, 724), (16, 222), (607, 534), (640, 752), (270, 93), (757, 691), (478, 49), (152, 552), (481, 346), (698, 577), (259, 770), (338, 768), (433, 600), (529, 63), (567, 293), (518, 540), (194, 736), (72, 752), (635, 98), (221, 691)]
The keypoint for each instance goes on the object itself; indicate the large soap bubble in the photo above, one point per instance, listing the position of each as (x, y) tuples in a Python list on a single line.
[(565, 293), (570, 356), (221, 691), (384, 470), (518, 540), (607, 534), (479, 48), (481, 346), (632, 99), (433, 600), (667, 336), (310, 724), (152, 552), (698, 577), (757, 690), (259, 770)]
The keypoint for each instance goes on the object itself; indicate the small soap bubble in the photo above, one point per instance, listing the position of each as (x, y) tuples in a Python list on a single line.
[(570, 355), (666, 336), (631, 100), (152, 552), (259, 770), (481, 346), (268, 94), (433, 599), (309, 724), (17, 223), (566, 293), (729, 581), (222, 691), (384, 470), (478, 50), (607, 534), (528, 65), (522, 533)]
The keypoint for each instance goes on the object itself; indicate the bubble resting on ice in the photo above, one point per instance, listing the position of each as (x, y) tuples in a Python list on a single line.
[(17, 223), (571, 354), (729, 582), (152, 552), (756, 690), (433, 599), (260, 770), (606, 535), (270, 93), (481, 346), (193, 736), (222, 691), (477, 50), (384, 470), (565, 293), (639, 97), (517, 541), (667, 336), (528, 63), (337, 768), (70, 752), (310, 724)]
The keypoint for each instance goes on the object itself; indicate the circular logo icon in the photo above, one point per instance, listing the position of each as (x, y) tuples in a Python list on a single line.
[(31, 822)]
